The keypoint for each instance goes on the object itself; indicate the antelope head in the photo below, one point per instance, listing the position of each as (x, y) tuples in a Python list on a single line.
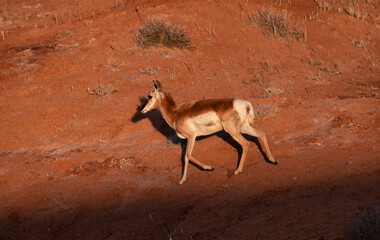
[(154, 97)]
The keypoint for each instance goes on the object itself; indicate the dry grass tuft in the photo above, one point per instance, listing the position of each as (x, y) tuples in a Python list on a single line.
[(362, 43), (275, 23), (312, 77), (149, 72), (331, 72), (120, 4), (103, 91), (158, 32), (266, 113), (368, 226), (313, 62), (273, 92), (353, 10)]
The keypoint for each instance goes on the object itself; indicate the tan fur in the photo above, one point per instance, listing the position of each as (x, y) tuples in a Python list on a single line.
[(206, 117)]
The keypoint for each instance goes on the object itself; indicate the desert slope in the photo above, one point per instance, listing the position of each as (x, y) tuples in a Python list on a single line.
[(77, 166)]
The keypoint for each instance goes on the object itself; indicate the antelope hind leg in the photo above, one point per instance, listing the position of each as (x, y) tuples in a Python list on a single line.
[(248, 129)]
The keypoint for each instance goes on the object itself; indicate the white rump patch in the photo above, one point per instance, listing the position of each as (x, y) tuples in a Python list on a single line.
[(240, 106)]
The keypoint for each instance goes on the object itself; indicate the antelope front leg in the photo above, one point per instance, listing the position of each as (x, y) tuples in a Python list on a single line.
[(189, 150), (183, 179)]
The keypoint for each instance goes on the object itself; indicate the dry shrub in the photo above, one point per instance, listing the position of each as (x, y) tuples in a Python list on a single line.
[(275, 23), (331, 72), (158, 32), (353, 10), (266, 113), (102, 91), (342, 121), (90, 167), (366, 227), (273, 92), (362, 43), (121, 4), (149, 72)]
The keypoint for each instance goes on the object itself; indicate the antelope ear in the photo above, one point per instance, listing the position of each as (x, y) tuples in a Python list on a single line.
[(157, 85)]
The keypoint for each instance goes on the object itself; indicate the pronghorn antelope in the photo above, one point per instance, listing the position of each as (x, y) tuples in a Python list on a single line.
[(206, 117)]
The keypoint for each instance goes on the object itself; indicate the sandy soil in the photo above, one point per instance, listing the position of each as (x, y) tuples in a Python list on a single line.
[(77, 166)]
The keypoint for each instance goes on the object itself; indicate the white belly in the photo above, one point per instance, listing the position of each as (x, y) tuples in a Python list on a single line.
[(205, 124)]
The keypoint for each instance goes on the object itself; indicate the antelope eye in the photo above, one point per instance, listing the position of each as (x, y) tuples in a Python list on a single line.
[(149, 96)]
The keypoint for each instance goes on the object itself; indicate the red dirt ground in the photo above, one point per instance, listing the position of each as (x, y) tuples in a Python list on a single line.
[(74, 166)]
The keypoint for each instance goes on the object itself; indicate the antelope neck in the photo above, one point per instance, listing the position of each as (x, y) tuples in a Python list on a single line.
[(168, 109)]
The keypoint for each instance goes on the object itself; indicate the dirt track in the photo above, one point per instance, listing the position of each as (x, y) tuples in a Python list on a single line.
[(75, 166)]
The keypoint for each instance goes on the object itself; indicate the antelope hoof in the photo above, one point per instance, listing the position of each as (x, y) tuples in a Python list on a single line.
[(237, 172), (275, 162), (182, 181), (210, 168)]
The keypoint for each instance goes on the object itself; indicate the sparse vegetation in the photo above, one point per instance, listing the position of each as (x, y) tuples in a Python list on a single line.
[(149, 72), (312, 77), (273, 92), (275, 23), (323, 6), (349, 7), (86, 168), (313, 62), (120, 4), (67, 31), (354, 10), (366, 227), (362, 43), (159, 32), (279, 2), (265, 113), (331, 72), (102, 91)]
